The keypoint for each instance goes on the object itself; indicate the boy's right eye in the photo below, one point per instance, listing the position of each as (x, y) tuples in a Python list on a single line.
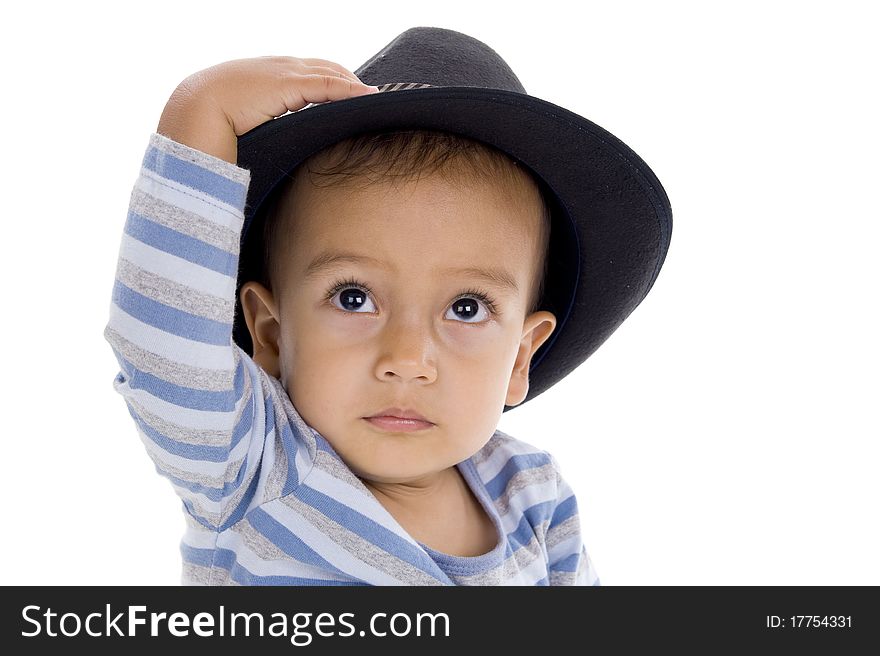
[(352, 295), (352, 299)]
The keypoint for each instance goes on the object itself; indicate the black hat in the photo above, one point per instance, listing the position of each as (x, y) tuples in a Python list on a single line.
[(610, 218)]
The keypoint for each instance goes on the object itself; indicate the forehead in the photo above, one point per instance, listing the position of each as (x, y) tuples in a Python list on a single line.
[(432, 224)]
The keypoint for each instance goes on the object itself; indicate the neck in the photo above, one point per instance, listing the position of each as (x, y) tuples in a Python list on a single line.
[(417, 493)]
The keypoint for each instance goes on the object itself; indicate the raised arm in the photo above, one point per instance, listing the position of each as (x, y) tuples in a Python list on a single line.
[(187, 388), (203, 408)]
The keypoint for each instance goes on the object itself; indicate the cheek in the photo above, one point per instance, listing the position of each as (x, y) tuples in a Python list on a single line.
[(324, 360), (484, 356)]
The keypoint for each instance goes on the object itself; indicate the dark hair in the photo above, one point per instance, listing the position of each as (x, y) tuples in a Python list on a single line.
[(400, 156)]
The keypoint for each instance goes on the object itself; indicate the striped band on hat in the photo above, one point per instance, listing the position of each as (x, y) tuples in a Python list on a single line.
[(391, 86)]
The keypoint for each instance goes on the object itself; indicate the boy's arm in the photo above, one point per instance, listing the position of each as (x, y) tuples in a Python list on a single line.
[(199, 402), (186, 385), (568, 561)]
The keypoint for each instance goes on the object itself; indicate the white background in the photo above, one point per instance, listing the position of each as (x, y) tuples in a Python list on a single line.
[(726, 433)]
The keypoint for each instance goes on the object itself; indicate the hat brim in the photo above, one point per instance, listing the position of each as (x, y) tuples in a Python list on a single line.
[(612, 219)]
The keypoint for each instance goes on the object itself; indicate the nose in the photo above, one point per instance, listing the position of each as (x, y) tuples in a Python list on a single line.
[(408, 352)]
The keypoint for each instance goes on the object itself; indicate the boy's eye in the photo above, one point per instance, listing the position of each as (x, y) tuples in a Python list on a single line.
[(466, 308), (352, 299)]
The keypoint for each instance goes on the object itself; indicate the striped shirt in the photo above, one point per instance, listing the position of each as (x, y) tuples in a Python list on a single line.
[(266, 498)]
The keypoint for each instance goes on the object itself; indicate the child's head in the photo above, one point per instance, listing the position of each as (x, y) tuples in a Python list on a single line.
[(441, 320)]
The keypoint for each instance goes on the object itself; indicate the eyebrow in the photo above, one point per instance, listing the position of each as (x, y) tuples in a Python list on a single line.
[(498, 278)]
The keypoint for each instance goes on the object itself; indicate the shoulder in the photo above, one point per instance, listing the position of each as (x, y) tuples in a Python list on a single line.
[(505, 453), (518, 474)]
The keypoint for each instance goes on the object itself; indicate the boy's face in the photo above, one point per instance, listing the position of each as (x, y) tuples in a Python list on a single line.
[(344, 353)]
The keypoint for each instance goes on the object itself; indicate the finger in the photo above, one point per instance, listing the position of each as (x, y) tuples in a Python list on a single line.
[(326, 70), (332, 65), (315, 88)]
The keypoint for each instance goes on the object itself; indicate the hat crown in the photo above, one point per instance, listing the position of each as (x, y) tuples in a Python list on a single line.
[(440, 57)]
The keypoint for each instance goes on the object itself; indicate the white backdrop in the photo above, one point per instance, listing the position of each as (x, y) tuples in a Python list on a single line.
[(727, 433)]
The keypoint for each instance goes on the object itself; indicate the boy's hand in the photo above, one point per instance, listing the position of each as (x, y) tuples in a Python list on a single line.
[(211, 108)]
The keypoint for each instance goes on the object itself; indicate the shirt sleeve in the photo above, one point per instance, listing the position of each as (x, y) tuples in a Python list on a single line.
[(568, 560), (204, 410)]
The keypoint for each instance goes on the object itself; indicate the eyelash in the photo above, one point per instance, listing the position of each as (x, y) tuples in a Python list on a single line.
[(480, 295)]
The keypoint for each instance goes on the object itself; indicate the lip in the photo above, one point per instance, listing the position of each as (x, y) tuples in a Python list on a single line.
[(400, 413), (399, 420)]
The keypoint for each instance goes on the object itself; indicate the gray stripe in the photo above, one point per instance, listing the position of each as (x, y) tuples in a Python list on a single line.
[(195, 477), (360, 548), (195, 574), (562, 578), (401, 86), (495, 576), (509, 569), (335, 468), (383, 88), (184, 475), (563, 531), (521, 480), (209, 162), (268, 551), (197, 508), (182, 434), (184, 221), (497, 440), (212, 380), (272, 386), (278, 476), (258, 543), (527, 554), (195, 529), (277, 479), (173, 294)]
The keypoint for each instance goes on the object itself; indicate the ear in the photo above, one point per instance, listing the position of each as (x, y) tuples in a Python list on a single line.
[(263, 323), (536, 329)]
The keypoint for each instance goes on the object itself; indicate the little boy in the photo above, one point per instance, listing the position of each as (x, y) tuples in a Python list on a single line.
[(327, 406)]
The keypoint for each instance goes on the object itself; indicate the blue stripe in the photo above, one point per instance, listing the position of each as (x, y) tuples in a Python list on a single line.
[(515, 464), (540, 512), (240, 575), (239, 511), (245, 501), (368, 529), (188, 505), (202, 557), (169, 319), (531, 517), (227, 559), (564, 510), (280, 536), (191, 451), (186, 397), (567, 564), (183, 246), (323, 445), (290, 447), (193, 175), (213, 493)]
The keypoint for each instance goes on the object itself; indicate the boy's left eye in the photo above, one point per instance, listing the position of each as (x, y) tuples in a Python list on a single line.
[(468, 309)]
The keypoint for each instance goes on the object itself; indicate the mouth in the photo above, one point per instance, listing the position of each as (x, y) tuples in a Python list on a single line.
[(399, 425), (399, 421)]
